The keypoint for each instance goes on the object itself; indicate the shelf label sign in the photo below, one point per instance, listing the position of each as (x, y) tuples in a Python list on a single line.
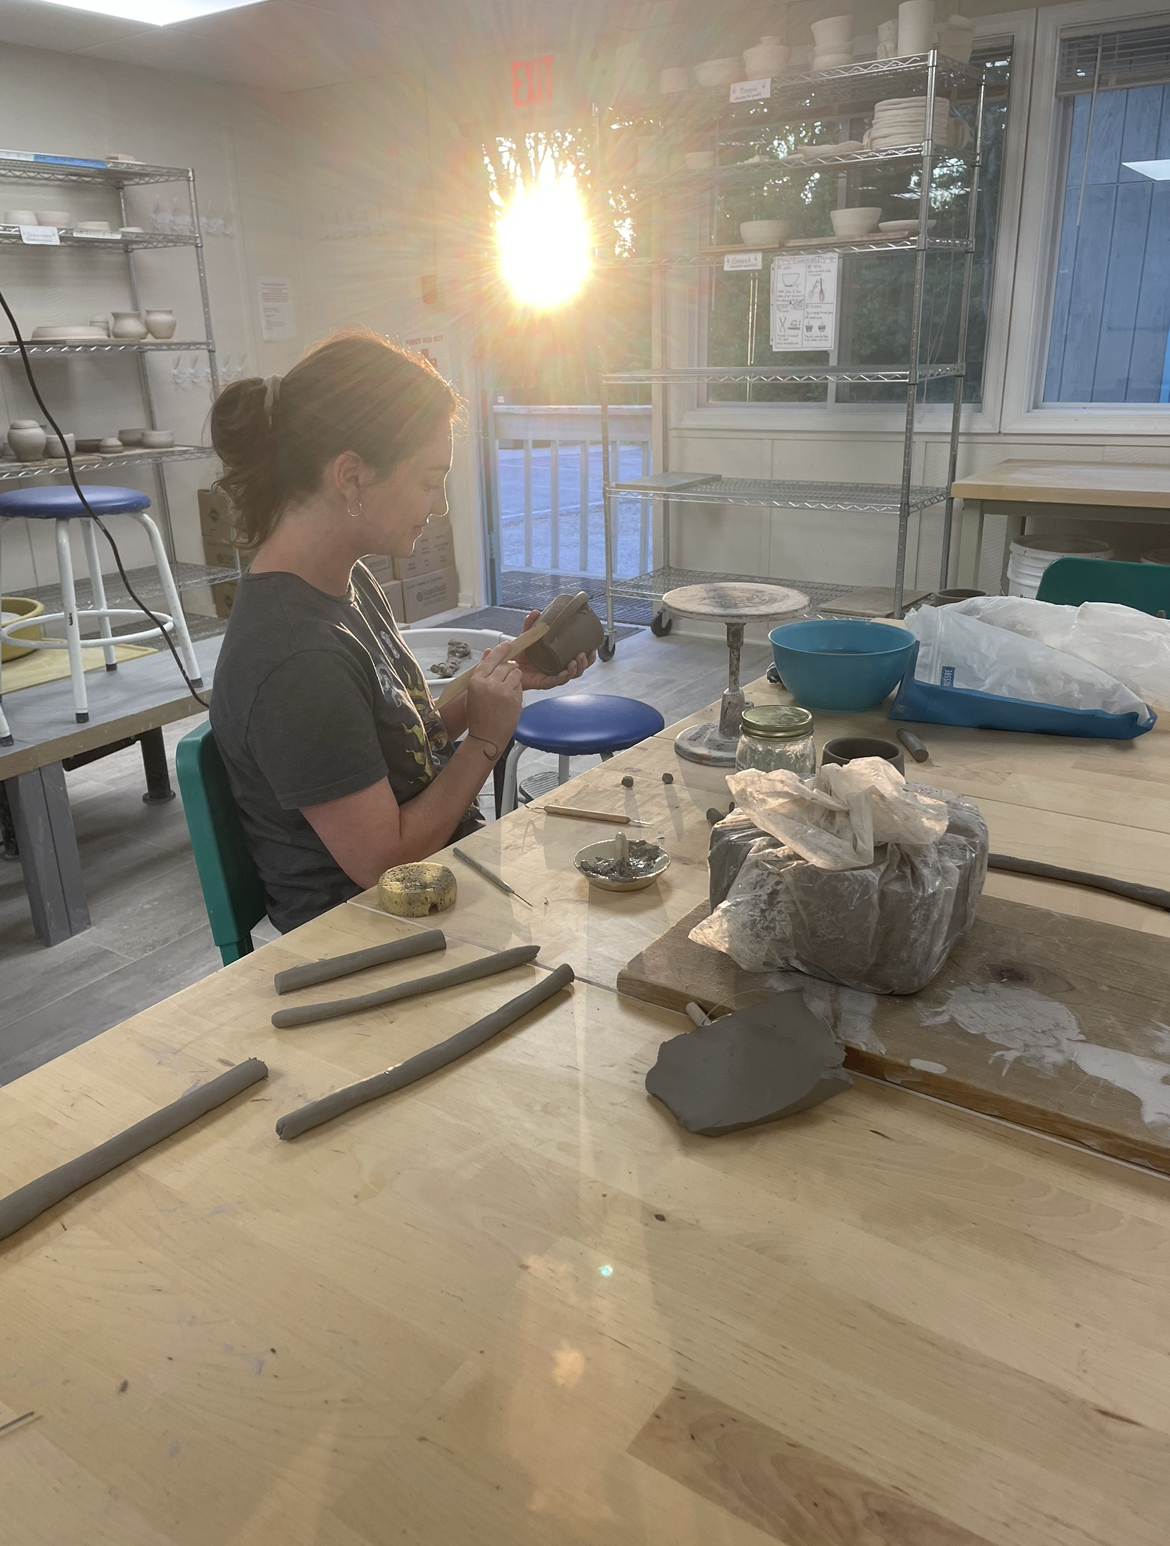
[(40, 235), (752, 91), (532, 81), (278, 319), (804, 302), (737, 262)]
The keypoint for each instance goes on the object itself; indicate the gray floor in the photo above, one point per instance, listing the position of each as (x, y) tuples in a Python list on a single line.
[(150, 936)]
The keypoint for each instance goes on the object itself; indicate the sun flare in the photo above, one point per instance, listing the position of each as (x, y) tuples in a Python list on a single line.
[(543, 239)]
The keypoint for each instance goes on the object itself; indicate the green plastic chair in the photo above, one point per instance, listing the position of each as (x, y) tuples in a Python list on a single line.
[(232, 890), (1069, 581)]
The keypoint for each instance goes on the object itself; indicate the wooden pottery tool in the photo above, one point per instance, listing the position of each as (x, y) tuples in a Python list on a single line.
[(612, 817), (482, 869), (458, 684), (573, 629)]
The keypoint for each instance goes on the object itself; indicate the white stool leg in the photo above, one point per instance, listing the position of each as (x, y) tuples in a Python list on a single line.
[(174, 607), (5, 733), (563, 774), (99, 593), (509, 796), (72, 627)]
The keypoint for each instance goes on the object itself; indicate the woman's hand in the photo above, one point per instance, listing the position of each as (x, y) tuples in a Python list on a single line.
[(540, 681), (495, 698)]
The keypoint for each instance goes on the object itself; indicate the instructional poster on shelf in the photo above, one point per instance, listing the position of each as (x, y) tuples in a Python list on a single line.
[(804, 301), (278, 320)]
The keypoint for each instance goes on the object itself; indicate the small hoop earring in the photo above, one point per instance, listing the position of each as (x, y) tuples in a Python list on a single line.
[(352, 512)]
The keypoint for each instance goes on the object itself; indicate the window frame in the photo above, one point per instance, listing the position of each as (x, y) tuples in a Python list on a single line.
[(933, 419), (1024, 409)]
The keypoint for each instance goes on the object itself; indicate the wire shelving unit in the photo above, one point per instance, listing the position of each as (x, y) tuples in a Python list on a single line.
[(118, 176), (843, 93)]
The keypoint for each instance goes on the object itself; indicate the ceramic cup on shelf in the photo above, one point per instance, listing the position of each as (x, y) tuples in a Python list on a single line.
[(763, 233), (160, 323), (915, 21), (157, 439), (27, 439), (833, 35), (128, 326), (20, 217), (675, 77), (53, 446), (130, 437), (768, 58)]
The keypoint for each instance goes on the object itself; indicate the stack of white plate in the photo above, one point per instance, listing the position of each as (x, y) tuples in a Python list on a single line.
[(902, 121)]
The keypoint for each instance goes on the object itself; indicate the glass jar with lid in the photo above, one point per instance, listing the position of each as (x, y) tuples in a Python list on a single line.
[(772, 737)]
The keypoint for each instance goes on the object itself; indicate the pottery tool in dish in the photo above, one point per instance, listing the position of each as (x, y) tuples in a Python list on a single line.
[(612, 817), (470, 971), (310, 973), (482, 869), (616, 864), (458, 684), (423, 1063)]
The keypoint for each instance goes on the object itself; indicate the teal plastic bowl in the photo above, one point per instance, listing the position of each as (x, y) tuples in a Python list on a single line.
[(843, 664)]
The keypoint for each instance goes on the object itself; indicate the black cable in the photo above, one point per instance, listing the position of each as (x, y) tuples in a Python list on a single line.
[(97, 520)]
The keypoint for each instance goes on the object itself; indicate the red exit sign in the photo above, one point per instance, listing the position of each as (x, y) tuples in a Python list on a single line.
[(532, 81)]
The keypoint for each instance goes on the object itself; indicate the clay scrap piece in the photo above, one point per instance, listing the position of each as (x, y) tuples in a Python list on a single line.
[(1127, 888), (22, 1206), (487, 966), (423, 1063), (757, 1065), (313, 972)]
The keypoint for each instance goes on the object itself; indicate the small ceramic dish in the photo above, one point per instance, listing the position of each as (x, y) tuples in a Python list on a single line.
[(903, 227), (593, 853), (131, 437), (111, 446), (57, 217), (763, 233), (157, 439)]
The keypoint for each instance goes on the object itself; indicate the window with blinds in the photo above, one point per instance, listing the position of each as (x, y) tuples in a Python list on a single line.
[(1109, 334)]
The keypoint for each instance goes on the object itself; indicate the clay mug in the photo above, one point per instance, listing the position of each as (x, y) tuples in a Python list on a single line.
[(573, 629), (160, 324), (27, 439), (128, 325), (849, 748)]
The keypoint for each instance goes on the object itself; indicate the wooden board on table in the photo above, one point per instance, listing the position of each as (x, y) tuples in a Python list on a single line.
[(1141, 485), (1054, 1022)]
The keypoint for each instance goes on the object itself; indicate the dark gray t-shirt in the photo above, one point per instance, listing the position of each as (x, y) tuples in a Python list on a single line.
[(317, 697)]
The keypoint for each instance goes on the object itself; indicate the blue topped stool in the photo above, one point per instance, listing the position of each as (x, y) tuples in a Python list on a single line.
[(576, 725), (62, 506)]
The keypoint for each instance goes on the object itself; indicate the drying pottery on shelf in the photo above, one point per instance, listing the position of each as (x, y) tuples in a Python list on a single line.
[(160, 324), (852, 223), (27, 439), (110, 446), (769, 57), (903, 227), (915, 20), (956, 38), (718, 72), (128, 326), (89, 445), (157, 439), (131, 437), (67, 332), (53, 446), (763, 233), (20, 217), (57, 217), (573, 629)]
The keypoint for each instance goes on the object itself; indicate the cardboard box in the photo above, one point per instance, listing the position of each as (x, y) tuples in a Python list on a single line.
[(394, 596), (226, 557), (215, 521), (223, 595), (428, 594), (434, 550)]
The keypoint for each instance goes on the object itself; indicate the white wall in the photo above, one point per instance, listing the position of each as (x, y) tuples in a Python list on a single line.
[(240, 148)]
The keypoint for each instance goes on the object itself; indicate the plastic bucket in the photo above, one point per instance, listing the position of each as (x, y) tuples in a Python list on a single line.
[(842, 665), (12, 608), (1029, 559)]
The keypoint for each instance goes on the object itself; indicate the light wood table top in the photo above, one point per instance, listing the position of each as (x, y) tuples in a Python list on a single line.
[(1136, 484), (517, 1304)]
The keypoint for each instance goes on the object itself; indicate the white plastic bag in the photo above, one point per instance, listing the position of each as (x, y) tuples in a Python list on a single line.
[(854, 876), (1128, 644), (957, 650)]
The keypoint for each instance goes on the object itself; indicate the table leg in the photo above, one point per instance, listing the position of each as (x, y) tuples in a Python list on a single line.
[(154, 765), (48, 853)]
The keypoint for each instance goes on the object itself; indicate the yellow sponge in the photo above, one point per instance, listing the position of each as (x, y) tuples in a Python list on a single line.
[(417, 890)]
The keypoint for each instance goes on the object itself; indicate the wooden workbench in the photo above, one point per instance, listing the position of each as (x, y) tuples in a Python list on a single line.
[(1021, 490), (517, 1304), (141, 696)]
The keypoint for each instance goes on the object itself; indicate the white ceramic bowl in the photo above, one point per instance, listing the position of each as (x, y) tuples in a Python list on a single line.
[(67, 331), (763, 233), (832, 32), (157, 439), (855, 222), (57, 217), (93, 227), (699, 160), (20, 217), (904, 227), (53, 446), (719, 72)]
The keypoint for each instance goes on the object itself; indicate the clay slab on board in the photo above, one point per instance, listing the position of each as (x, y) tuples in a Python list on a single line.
[(755, 1065)]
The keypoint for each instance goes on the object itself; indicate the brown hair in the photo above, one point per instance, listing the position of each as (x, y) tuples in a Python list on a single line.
[(353, 392)]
